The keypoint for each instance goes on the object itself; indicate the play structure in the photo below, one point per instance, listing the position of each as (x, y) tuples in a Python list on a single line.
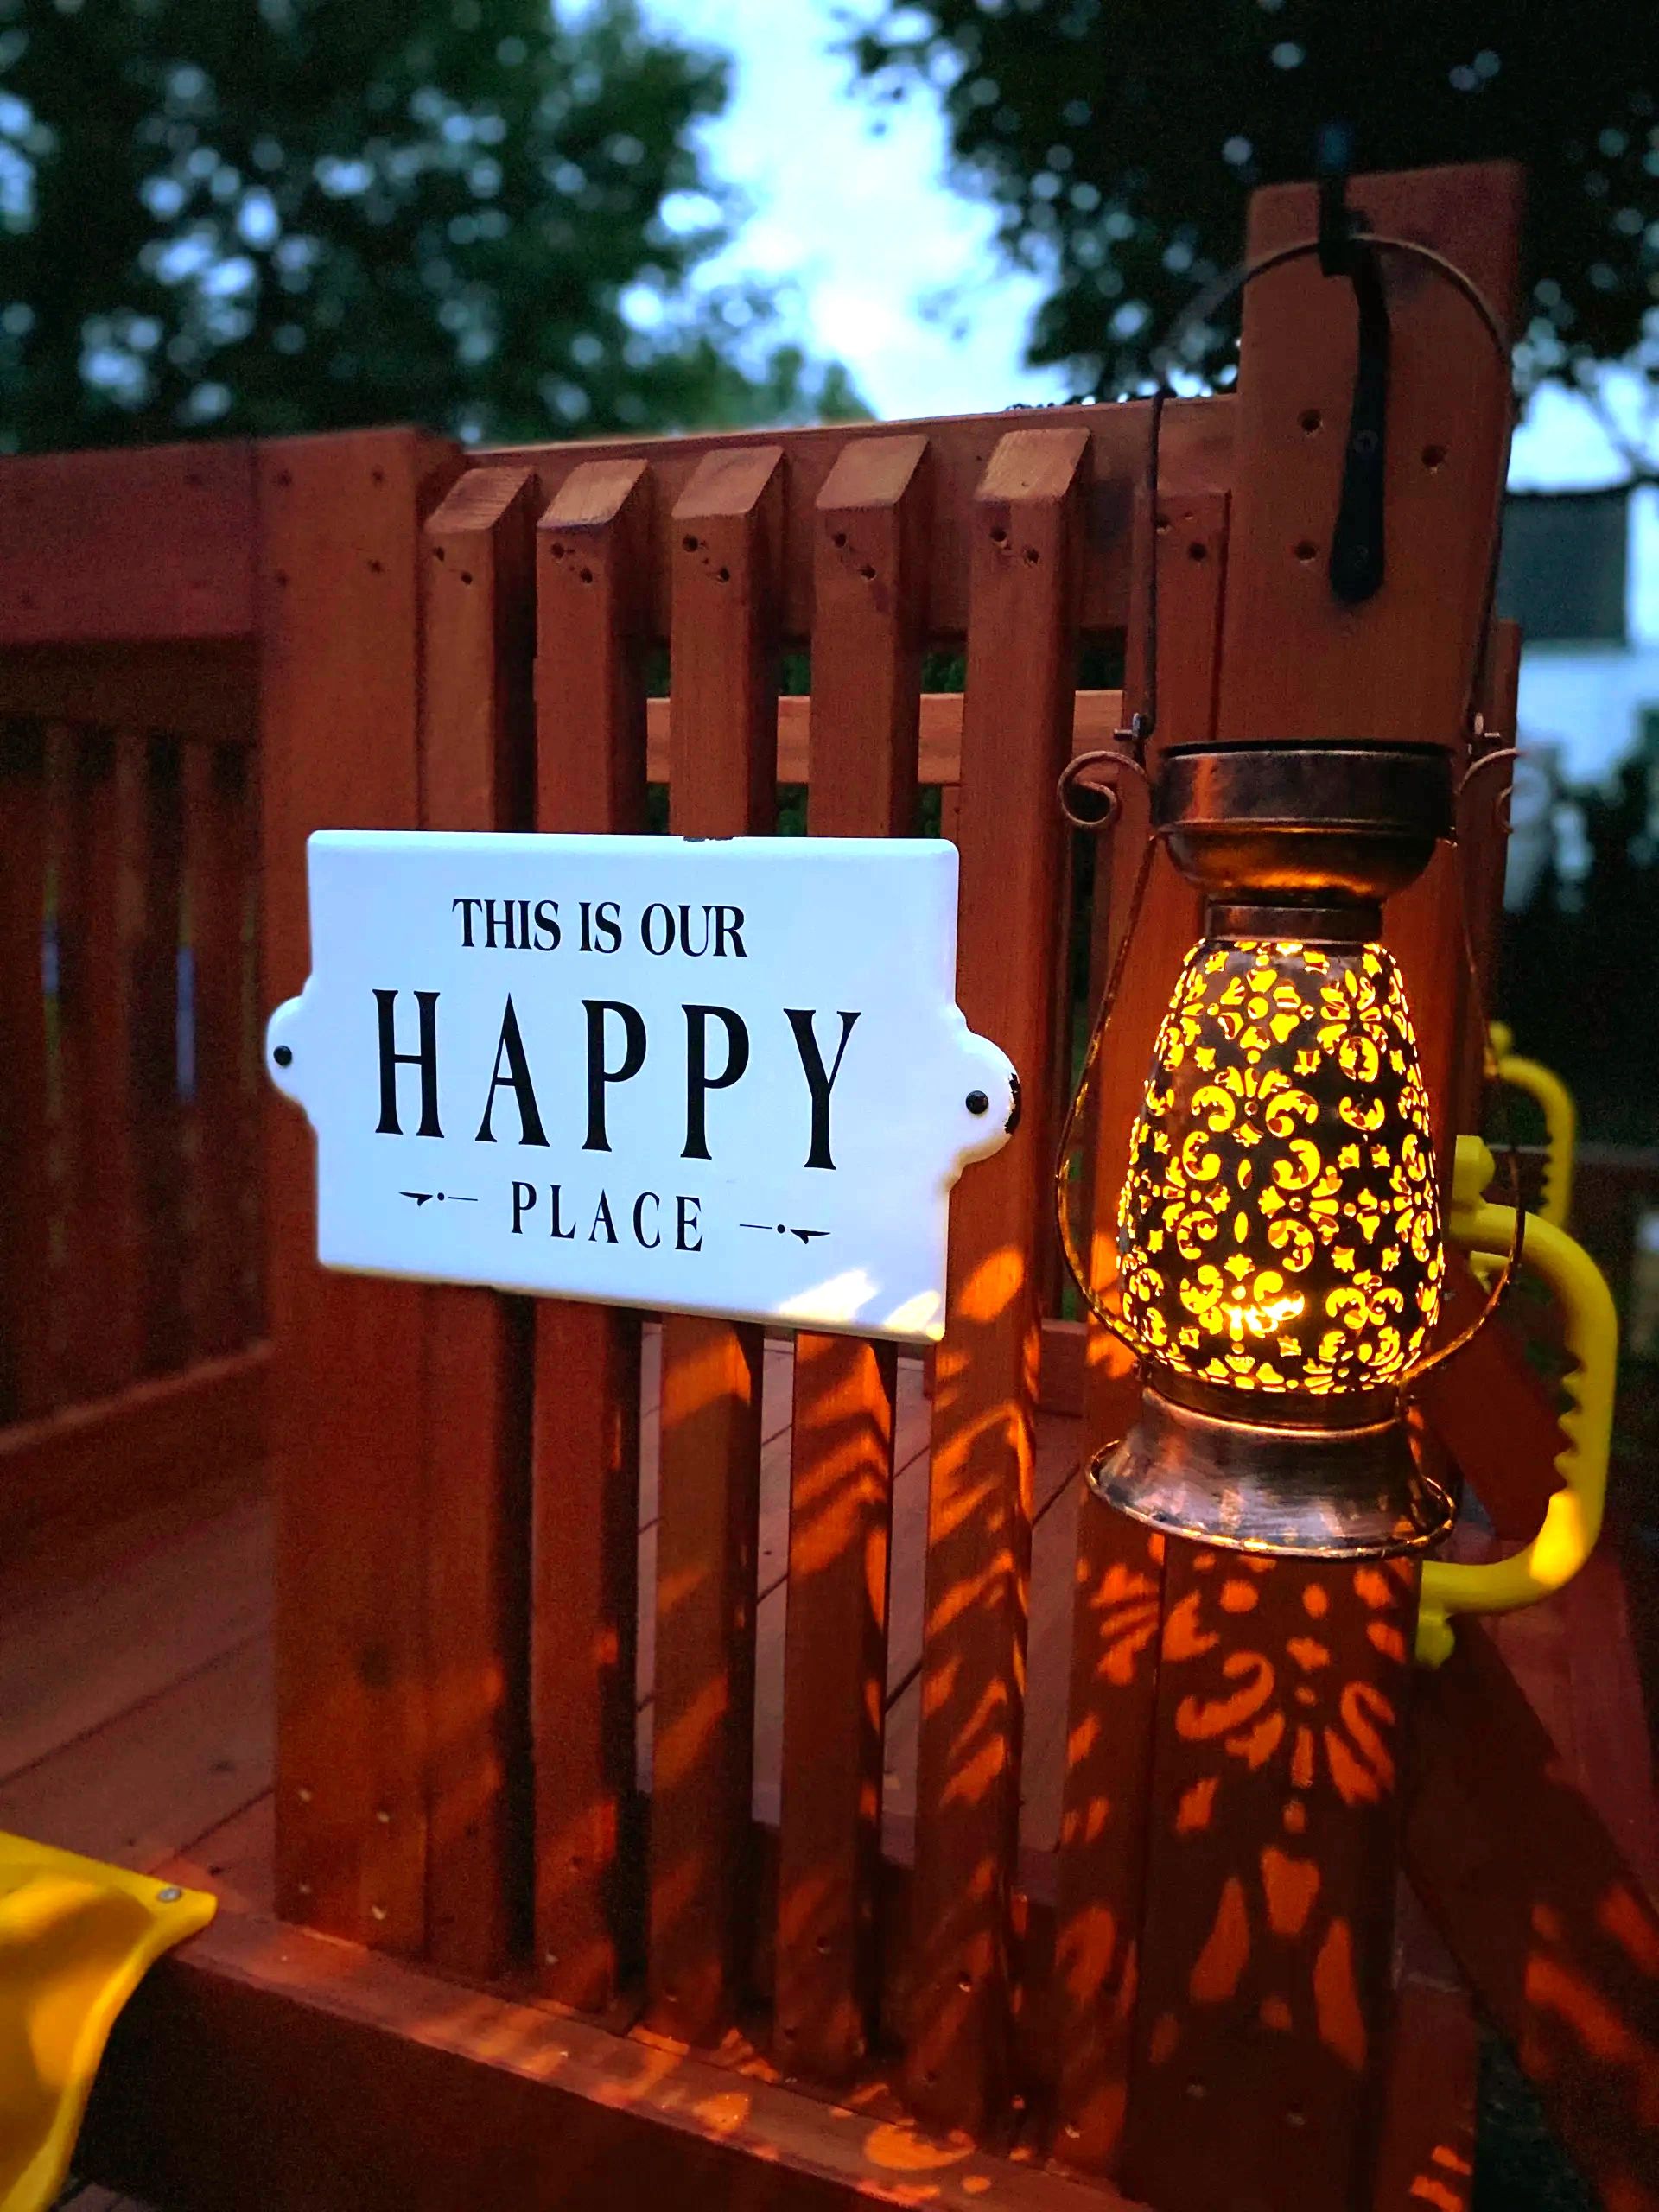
[(713, 1765)]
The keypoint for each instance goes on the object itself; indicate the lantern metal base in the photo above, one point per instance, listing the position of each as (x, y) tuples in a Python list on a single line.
[(1296, 1492)]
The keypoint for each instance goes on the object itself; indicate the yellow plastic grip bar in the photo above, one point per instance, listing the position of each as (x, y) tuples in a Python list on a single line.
[(1560, 1120), (1572, 1519)]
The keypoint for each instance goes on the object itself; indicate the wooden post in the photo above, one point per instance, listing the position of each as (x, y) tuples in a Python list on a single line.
[(338, 591), (475, 762), (1270, 1881)]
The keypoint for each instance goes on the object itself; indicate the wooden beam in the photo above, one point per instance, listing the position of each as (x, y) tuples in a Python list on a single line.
[(71, 1471), (1096, 716), (143, 542), (350, 2082)]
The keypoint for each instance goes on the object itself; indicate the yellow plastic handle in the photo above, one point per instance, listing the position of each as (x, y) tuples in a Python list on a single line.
[(1572, 1519), (1561, 1121)]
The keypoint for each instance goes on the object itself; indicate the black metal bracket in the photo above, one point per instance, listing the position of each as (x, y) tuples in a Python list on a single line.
[(1359, 543)]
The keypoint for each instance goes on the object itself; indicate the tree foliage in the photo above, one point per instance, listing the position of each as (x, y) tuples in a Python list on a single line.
[(273, 215), (1118, 138)]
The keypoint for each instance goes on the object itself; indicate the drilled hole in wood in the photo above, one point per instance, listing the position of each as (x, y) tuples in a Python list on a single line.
[(439, 554), (1310, 418), (722, 575), (1198, 550), (965, 1983), (1032, 556), (465, 575), (868, 573), (823, 1944), (1162, 523), (1434, 456), (689, 543), (587, 575), (377, 476), (376, 568), (999, 537), (1306, 549), (557, 551), (838, 537)]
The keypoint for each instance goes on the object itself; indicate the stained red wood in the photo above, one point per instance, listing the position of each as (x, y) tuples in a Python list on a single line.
[(61, 1475), (1021, 675), (221, 852), (27, 1385), (364, 2085), (1265, 1949), (150, 541), (1265, 1957), (97, 925), (591, 581), (201, 687), (161, 1112), (1096, 715), (1547, 1920), (870, 524), (1119, 1565), (1197, 457), (1426, 2154), (339, 613), (724, 678), (477, 562)]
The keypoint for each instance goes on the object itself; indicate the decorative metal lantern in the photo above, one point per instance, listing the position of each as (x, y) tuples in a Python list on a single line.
[(1279, 1230)]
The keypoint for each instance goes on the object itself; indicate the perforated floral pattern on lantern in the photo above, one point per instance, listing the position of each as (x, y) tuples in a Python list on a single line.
[(1279, 1229)]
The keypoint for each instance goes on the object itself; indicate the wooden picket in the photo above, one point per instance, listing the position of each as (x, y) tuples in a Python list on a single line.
[(724, 686), (1023, 548), (592, 578), (867, 638), (478, 607)]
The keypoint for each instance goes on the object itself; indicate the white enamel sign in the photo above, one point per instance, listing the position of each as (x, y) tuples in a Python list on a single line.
[(722, 1076)]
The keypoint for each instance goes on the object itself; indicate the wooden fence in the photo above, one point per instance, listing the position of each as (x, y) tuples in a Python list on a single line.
[(1199, 1990)]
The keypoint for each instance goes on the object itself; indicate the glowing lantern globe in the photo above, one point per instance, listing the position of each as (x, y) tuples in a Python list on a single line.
[(1279, 1230)]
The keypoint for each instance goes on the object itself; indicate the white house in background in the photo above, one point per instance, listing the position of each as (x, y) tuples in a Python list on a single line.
[(1581, 576)]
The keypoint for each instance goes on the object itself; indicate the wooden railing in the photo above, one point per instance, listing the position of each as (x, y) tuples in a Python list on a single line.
[(131, 1237)]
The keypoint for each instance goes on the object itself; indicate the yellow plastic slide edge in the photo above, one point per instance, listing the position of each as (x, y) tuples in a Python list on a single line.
[(76, 1937)]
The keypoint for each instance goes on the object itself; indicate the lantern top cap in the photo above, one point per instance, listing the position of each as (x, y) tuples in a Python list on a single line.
[(1301, 820)]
